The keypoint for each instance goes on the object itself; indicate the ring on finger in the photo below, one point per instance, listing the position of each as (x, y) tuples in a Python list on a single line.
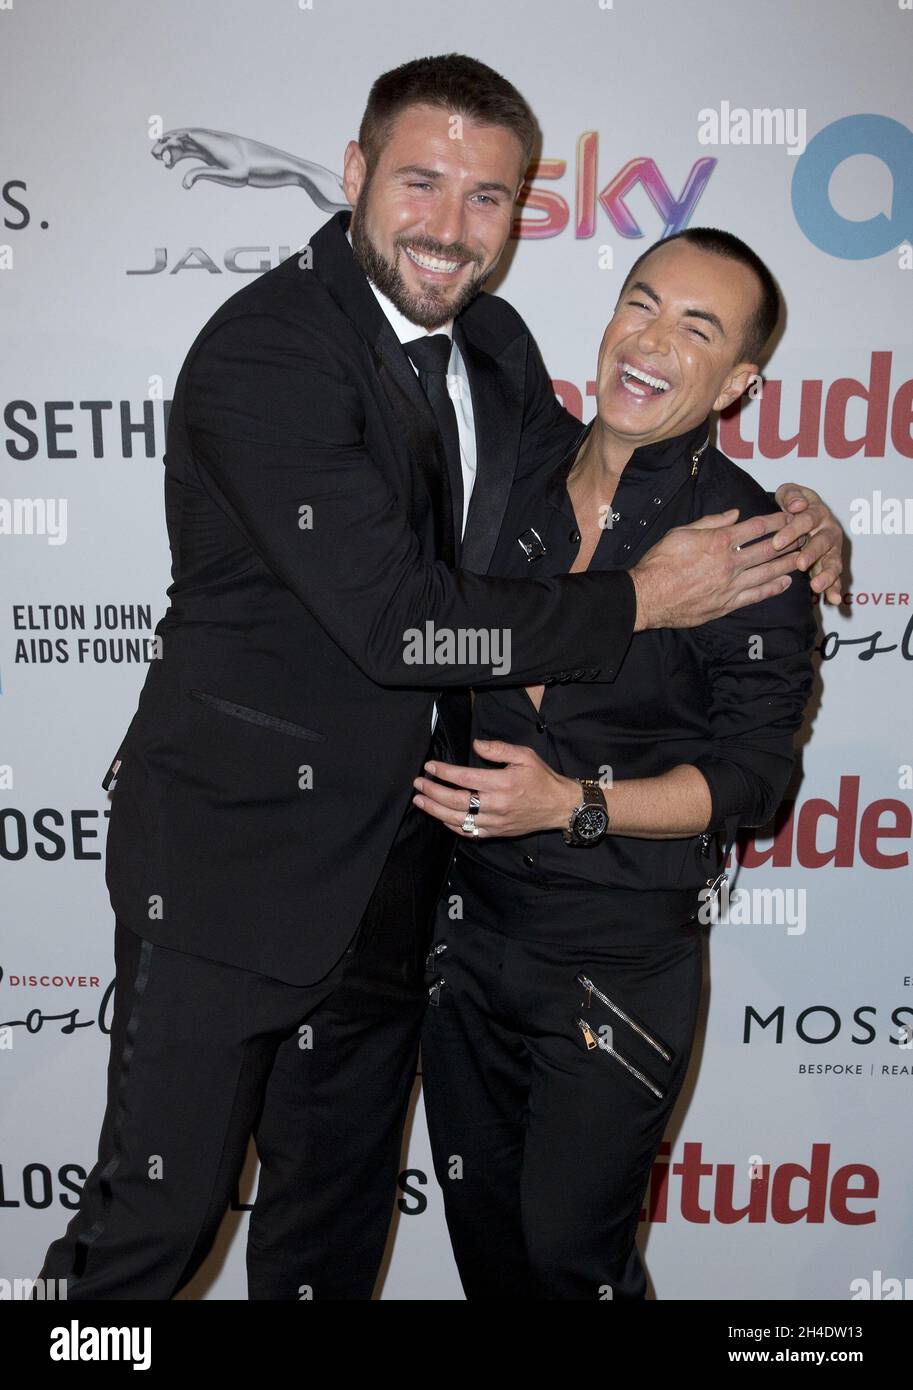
[(469, 824), (475, 802)]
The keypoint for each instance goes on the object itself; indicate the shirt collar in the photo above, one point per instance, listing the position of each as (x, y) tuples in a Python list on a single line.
[(664, 459), (405, 330)]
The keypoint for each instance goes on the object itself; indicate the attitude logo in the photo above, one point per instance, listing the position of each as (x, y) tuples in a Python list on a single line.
[(692, 1188)]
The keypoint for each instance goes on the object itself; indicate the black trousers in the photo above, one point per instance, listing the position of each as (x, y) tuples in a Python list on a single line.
[(204, 1054), (543, 1139)]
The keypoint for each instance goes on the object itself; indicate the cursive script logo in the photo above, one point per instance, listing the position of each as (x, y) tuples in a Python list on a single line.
[(35, 1019), (832, 643)]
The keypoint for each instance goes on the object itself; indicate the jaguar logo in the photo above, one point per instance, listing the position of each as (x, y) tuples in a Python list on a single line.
[(238, 162)]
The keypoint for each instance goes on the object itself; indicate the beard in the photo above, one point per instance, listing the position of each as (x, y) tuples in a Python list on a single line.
[(429, 308)]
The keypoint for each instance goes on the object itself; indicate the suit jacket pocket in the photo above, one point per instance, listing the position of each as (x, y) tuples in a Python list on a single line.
[(257, 716)]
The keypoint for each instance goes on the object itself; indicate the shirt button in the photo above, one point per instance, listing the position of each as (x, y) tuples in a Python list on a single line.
[(642, 522), (529, 861), (574, 537), (657, 500), (540, 727), (616, 516)]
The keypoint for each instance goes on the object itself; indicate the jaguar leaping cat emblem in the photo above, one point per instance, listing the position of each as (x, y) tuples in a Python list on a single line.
[(239, 162)]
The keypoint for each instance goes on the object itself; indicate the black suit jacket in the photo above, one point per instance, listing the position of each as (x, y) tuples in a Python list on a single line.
[(271, 757)]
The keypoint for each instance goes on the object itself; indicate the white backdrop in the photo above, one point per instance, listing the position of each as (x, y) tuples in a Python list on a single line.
[(805, 1058)]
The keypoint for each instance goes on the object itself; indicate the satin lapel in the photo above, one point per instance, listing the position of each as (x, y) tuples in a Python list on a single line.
[(497, 407), (416, 418), (346, 282)]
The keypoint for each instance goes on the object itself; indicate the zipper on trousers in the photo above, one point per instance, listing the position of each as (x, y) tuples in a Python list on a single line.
[(433, 954), (592, 1041), (591, 989)]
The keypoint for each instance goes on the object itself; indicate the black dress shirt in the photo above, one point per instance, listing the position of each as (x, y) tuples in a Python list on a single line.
[(726, 697)]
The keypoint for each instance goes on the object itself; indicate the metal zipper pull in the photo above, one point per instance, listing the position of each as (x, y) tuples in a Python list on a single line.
[(592, 1043), (434, 992), (715, 886), (616, 1009), (696, 456), (433, 954)]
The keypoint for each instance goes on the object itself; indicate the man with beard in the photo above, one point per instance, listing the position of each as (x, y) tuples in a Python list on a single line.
[(272, 885)]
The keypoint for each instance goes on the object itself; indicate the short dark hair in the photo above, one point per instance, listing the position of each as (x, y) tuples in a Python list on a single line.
[(461, 85), (718, 243)]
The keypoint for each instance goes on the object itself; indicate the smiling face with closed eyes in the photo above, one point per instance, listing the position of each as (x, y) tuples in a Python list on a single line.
[(673, 349)]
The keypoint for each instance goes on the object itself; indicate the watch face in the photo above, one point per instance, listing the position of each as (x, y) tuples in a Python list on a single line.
[(591, 823)]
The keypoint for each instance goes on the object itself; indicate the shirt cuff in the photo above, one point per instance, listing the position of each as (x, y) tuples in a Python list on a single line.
[(730, 792)]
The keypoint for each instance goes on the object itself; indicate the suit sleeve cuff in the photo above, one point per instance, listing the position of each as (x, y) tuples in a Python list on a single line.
[(623, 618)]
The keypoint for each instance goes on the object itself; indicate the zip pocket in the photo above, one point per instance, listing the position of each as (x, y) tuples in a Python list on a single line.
[(256, 716), (626, 1018), (592, 1042)]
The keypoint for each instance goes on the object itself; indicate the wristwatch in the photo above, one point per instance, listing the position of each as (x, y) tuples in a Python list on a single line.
[(589, 821)]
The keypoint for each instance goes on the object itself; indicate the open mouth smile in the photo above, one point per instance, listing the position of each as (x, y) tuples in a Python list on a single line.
[(436, 265), (640, 383)]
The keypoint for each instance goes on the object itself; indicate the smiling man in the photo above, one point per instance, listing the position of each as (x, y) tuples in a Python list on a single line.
[(343, 440), (430, 282), (566, 987), (662, 351)]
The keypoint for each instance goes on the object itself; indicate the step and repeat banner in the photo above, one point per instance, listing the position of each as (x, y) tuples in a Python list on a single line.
[(154, 159)]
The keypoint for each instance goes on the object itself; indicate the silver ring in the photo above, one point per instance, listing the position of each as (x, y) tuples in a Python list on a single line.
[(475, 803), (469, 824)]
